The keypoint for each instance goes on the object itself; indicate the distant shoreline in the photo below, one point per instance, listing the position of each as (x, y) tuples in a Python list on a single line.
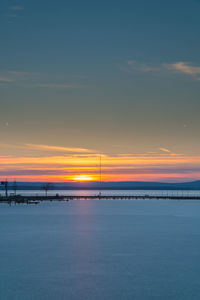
[(193, 185), (121, 185), (110, 189)]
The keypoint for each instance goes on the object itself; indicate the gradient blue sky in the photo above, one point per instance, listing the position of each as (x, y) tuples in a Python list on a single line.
[(120, 77)]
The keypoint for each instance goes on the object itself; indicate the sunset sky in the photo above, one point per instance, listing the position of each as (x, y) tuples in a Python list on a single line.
[(84, 79)]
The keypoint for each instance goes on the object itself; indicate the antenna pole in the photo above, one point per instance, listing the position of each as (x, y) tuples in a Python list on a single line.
[(6, 188), (100, 173), (15, 187)]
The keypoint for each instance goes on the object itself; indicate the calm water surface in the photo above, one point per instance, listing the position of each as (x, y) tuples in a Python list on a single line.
[(99, 250)]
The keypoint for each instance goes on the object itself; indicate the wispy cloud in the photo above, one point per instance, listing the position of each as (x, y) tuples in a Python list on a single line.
[(14, 12), (184, 67), (12, 15), (22, 74), (165, 150), (16, 7), (5, 79), (178, 67), (60, 86), (39, 80), (60, 149), (41, 147), (132, 65)]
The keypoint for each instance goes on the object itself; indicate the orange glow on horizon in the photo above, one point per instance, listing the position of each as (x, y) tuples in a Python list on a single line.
[(73, 168), (83, 177)]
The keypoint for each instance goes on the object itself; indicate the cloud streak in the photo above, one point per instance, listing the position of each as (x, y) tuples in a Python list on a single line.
[(132, 65), (165, 150), (59, 149), (6, 80), (12, 15), (16, 7), (41, 147), (182, 67), (37, 80), (60, 86)]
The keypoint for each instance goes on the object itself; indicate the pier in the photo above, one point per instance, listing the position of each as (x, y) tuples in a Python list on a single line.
[(19, 199)]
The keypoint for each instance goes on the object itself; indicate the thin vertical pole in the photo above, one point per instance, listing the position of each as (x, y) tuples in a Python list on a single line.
[(6, 188), (100, 174), (15, 187)]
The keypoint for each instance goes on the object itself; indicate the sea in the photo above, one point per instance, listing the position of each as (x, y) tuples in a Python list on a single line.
[(101, 249)]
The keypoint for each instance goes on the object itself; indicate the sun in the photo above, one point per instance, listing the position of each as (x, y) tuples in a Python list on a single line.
[(83, 177)]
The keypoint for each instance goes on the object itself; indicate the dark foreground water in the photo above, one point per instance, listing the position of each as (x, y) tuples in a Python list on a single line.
[(99, 250)]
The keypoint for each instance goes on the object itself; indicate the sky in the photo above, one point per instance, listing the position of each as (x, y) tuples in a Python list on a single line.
[(84, 79)]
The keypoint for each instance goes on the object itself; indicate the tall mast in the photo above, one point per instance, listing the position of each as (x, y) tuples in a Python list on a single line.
[(100, 174), (15, 187)]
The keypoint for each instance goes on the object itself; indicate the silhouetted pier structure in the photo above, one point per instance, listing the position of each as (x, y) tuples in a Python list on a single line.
[(37, 199), (133, 197)]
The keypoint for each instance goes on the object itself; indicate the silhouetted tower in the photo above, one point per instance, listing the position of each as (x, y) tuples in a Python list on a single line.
[(5, 183), (15, 187), (46, 187), (100, 175)]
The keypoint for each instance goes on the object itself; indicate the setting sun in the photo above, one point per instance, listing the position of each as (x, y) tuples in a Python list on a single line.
[(83, 177)]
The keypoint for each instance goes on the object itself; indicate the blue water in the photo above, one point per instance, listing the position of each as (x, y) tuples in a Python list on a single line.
[(100, 250)]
